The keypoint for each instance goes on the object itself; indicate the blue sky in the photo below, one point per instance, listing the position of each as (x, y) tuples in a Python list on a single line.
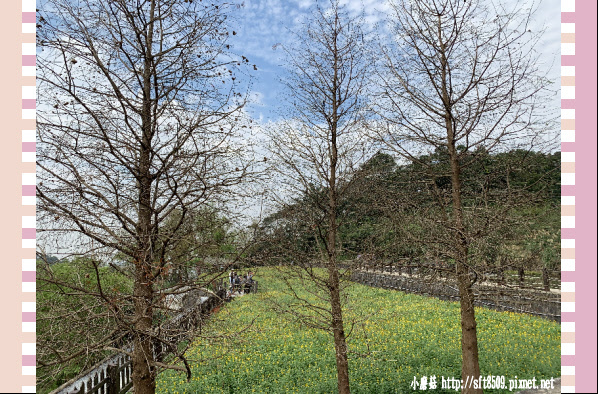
[(264, 24)]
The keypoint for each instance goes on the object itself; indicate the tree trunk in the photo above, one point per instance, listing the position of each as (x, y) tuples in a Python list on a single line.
[(469, 343), (143, 374), (340, 343), (469, 339), (470, 369), (144, 379)]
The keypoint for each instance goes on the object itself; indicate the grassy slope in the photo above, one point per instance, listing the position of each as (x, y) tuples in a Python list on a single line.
[(408, 335)]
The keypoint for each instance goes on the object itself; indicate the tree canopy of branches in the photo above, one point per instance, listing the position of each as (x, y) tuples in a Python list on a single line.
[(462, 77), (137, 129), (313, 151)]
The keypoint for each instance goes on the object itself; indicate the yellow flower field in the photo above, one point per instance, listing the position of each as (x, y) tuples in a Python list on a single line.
[(400, 337)]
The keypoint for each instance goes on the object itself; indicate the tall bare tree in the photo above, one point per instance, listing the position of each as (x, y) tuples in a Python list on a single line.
[(138, 119), (461, 77), (315, 150)]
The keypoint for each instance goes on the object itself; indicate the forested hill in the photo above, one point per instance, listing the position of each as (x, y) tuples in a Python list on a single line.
[(511, 203)]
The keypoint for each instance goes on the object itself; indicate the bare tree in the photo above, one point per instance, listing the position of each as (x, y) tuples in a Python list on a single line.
[(138, 119), (315, 151), (462, 77)]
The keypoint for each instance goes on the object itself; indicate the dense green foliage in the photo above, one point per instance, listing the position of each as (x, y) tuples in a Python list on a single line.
[(72, 317), (404, 336)]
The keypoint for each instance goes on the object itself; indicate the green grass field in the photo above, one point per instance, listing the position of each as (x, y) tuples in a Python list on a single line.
[(404, 336)]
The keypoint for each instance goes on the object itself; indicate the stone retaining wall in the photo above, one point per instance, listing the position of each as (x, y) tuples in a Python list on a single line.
[(545, 304)]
